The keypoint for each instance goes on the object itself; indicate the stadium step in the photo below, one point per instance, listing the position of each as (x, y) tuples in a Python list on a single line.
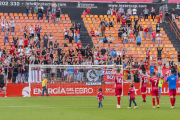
[(76, 17), (171, 35)]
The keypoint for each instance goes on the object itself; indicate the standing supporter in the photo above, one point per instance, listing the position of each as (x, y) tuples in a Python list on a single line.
[(158, 35), (51, 38), (159, 53), (158, 28), (31, 31), (152, 67), (45, 40), (7, 26), (48, 13), (121, 10), (75, 37), (146, 12), (88, 10), (66, 32), (146, 30), (114, 53), (161, 16), (129, 11), (103, 28), (25, 30), (38, 31), (109, 11), (40, 13), (36, 9), (123, 21), (137, 30), (166, 16), (161, 80), (150, 32), (110, 23), (131, 37), (153, 37), (141, 31), (26, 42), (53, 17), (118, 17), (124, 38), (134, 11), (58, 16), (53, 7), (78, 27), (12, 25), (6, 37), (173, 15), (113, 11), (58, 9), (70, 37), (102, 22), (138, 38), (153, 15), (2, 25)]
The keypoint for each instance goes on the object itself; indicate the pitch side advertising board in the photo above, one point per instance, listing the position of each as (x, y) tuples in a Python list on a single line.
[(75, 89)]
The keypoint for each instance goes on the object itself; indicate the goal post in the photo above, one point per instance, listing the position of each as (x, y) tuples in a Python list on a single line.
[(72, 80)]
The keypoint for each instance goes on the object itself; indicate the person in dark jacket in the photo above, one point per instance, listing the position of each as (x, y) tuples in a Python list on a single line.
[(57, 15), (159, 50), (15, 73)]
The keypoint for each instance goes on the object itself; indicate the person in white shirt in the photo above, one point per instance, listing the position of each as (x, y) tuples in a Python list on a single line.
[(110, 39), (97, 33), (100, 40), (119, 53), (158, 36), (31, 31), (134, 11), (129, 11), (125, 38), (28, 50), (109, 11), (21, 41), (20, 51), (54, 7), (51, 38), (36, 38)]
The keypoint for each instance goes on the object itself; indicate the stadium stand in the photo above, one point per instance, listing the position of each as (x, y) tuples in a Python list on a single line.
[(93, 21)]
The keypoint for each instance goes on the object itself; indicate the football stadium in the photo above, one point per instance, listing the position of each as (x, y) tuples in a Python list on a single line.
[(90, 59)]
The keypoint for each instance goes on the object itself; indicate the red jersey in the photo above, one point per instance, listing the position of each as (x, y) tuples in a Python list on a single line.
[(88, 10), (159, 63), (78, 31), (114, 11), (144, 81), (131, 93), (2, 58), (146, 64), (118, 80), (154, 83), (80, 56), (53, 16), (147, 53), (26, 42), (153, 35), (118, 15), (11, 52), (123, 22), (92, 32), (146, 30), (79, 45), (160, 14), (100, 96), (13, 47)]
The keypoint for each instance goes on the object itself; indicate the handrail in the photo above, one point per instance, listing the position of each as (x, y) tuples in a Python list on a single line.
[(173, 27)]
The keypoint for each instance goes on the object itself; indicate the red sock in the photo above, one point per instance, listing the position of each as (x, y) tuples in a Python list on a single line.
[(172, 101), (118, 99), (153, 100), (144, 96), (157, 98)]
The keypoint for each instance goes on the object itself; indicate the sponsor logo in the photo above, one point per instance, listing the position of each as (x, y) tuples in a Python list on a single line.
[(25, 92), (110, 90), (91, 75), (85, 5), (43, 3), (127, 5), (59, 90)]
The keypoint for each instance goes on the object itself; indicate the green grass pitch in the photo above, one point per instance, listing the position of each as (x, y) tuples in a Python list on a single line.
[(85, 108)]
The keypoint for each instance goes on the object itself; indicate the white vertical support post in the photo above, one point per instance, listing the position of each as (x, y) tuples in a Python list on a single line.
[(29, 80)]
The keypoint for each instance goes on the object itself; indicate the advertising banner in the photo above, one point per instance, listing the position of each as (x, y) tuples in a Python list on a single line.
[(93, 77), (76, 89)]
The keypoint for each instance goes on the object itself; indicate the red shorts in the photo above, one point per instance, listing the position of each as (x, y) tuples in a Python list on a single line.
[(155, 93), (143, 89), (118, 91), (172, 92)]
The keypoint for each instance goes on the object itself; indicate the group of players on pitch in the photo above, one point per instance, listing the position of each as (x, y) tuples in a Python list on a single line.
[(154, 80)]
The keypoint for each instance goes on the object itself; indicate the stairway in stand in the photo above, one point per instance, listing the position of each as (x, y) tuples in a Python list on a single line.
[(76, 17), (171, 35)]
